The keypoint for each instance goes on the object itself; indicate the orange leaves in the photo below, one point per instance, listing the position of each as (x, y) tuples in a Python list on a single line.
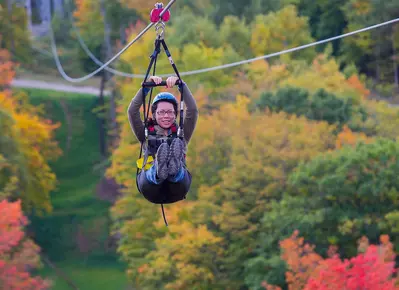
[(17, 254), (7, 72), (301, 260), (348, 137), (373, 268), (355, 82)]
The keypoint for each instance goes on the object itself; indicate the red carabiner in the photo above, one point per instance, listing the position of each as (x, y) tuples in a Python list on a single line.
[(157, 11)]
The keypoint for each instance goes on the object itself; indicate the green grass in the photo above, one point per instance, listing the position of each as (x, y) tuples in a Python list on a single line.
[(91, 276), (74, 201)]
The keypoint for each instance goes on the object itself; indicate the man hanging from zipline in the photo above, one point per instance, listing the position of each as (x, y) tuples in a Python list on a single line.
[(164, 177)]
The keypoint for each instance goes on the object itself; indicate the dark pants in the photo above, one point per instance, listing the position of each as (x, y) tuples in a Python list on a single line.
[(166, 192)]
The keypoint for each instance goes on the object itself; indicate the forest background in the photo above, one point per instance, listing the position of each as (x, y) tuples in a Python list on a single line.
[(294, 158)]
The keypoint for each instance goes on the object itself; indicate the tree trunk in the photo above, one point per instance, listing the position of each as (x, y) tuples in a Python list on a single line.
[(108, 55), (45, 11), (395, 58), (101, 120), (11, 27), (28, 7), (122, 34), (58, 7), (377, 58)]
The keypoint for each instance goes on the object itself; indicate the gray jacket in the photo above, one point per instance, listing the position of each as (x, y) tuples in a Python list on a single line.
[(190, 116)]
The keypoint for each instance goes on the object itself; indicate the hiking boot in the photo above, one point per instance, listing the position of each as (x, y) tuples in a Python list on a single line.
[(161, 161), (176, 156)]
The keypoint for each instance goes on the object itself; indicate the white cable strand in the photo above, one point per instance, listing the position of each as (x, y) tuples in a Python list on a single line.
[(288, 50), (243, 61), (81, 79), (193, 72), (92, 56)]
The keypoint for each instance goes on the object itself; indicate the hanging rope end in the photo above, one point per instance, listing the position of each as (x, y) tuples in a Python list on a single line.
[(163, 214)]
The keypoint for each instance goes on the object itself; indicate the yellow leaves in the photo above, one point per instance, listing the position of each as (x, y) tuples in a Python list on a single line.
[(361, 7), (281, 30), (89, 21), (201, 97), (185, 254), (265, 76), (143, 7), (324, 73), (27, 161), (383, 119)]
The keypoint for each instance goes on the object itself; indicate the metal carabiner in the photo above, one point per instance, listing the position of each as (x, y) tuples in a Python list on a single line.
[(160, 29)]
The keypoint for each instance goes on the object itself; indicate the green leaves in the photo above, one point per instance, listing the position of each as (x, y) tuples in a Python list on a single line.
[(320, 106)]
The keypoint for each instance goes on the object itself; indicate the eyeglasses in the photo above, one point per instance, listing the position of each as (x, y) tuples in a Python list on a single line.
[(163, 113)]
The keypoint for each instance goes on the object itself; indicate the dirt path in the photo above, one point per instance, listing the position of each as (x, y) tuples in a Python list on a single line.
[(25, 83)]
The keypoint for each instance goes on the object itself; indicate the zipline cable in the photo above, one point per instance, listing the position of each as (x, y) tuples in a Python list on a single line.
[(193, 72), (264, 56), (91, 55), (81, 79), (288, 50)]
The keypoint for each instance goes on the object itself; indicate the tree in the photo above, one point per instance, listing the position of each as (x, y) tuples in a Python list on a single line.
[(321, 106), (372, 268), (259, 161), (281, 30), (18, 254), (188, 28), (324, 73), (347, 183), (15, 36), (26, 147), (382, 121), (372, 51), (331, 200), (185, 257), (327, 19), (235, 31)]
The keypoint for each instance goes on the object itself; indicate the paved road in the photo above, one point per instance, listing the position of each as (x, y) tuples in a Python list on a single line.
[(22, 83)]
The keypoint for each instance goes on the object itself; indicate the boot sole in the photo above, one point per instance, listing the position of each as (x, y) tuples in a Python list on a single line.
[(162, 161), (176, 156)]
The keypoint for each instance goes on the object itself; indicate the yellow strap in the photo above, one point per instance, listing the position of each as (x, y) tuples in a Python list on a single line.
[(148, 165)]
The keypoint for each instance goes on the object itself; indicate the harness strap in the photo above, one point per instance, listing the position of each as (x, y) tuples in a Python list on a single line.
[(163, 214)]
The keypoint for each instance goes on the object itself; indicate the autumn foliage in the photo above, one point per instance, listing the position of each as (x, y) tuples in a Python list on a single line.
[(18, 254), (270, 134), (26, 147), (372, 268)]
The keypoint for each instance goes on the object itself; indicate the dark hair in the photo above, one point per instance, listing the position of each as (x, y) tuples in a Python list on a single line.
[(155, 106)]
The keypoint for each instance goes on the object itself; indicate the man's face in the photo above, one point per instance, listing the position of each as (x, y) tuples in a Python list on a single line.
[(165, 114)]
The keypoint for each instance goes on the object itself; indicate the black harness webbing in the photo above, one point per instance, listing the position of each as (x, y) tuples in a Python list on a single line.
[(154, 56)]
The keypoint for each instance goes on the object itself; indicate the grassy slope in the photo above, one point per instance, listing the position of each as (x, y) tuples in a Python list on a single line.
[(74, 200)]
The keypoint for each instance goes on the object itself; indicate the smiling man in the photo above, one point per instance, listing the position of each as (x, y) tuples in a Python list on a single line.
[(168, 179)]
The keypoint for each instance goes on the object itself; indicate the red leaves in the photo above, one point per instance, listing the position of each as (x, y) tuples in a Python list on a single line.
[(17, 254), (373, 268), (365, 271)]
